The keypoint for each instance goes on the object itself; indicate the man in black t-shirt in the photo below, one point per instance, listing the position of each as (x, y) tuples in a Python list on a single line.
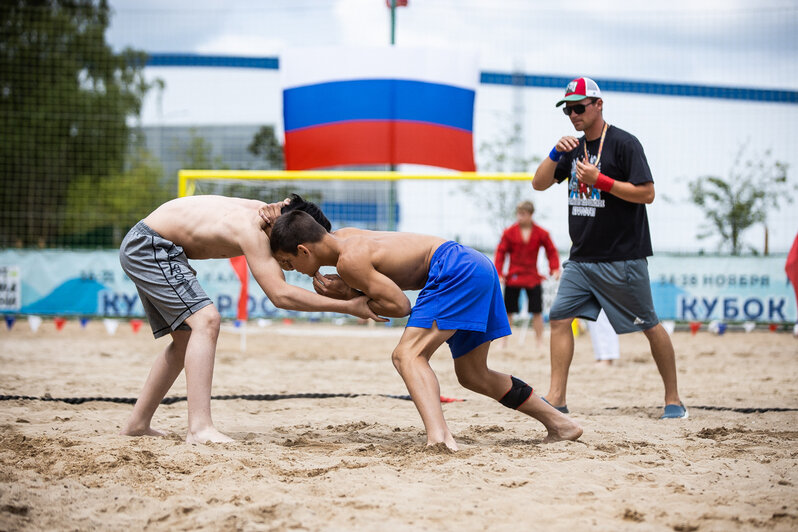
[(609, 184)]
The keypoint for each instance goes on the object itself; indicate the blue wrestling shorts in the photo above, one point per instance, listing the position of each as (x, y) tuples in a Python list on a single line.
[(463, 293)]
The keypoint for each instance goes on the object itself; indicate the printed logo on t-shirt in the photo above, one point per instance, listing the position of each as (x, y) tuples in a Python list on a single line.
[(583, 199)]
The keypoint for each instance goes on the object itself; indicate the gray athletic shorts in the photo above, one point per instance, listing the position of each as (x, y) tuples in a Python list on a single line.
[(167, 285), (621, 288)]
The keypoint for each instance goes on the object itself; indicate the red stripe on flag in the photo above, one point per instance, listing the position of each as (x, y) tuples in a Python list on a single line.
[(379, 142), (239, 264)]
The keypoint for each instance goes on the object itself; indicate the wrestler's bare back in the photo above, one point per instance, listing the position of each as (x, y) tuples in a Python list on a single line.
[(402, 257), (208, 227)]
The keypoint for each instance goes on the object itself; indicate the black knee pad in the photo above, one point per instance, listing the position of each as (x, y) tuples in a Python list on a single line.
[(518, 394)]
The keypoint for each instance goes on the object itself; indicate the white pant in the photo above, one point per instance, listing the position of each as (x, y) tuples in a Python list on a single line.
[(604, 338)]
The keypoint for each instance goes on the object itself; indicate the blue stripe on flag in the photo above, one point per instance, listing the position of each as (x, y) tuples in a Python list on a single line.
[(378, 99)]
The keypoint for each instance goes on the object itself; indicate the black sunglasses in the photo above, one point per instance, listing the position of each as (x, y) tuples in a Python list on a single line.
[(578, 108)]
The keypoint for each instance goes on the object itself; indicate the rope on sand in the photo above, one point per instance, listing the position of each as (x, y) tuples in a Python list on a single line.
[(172, 400), (744, 410), (740, 410), (276, 397)]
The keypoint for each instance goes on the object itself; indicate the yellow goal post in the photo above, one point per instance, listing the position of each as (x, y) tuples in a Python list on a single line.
[(470, 207), (188, 178)]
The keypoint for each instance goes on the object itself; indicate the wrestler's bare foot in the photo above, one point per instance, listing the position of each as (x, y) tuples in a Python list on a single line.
[(209, 435), (449, 443), (439, 448), (565, 429), (142, 431)]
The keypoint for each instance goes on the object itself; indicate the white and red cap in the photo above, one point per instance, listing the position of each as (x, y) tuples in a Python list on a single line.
[(579, 89)]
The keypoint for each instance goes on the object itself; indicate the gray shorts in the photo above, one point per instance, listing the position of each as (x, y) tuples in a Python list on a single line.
[(167, 285), (621, 288)]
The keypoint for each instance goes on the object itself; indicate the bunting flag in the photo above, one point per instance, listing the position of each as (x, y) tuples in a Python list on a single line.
[(83, 322), (10, 319), (59, 323), (110, 325), (136, 325), (388, 105), (791, 267), (240, 266), (34, 322)]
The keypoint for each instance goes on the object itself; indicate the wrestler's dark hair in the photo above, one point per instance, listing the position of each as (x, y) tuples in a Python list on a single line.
[(297, 203), (295, 228)]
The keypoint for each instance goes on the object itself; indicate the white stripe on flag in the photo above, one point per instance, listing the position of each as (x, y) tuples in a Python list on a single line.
[(312, 65)]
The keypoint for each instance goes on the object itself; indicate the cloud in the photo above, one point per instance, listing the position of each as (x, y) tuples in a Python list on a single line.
[(243, 44)]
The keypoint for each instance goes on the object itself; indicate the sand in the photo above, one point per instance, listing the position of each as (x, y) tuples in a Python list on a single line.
[(360, 463)]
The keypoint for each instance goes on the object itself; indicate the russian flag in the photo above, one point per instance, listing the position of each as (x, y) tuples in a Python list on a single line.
[(363, 106)]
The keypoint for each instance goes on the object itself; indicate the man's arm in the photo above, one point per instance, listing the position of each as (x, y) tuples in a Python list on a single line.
[(551, 252), (331, 285), (271, 279), (544, 175), (501, 253), (385, 296), (269, 213)]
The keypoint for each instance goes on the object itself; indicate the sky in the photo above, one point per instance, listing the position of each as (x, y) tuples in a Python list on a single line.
[(743, 43), (616, 38)]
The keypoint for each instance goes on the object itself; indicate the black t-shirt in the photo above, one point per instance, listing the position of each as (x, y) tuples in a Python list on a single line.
[(603, 227)]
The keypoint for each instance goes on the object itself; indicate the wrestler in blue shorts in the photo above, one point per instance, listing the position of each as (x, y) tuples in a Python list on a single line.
[(460, 303), (462, 293)]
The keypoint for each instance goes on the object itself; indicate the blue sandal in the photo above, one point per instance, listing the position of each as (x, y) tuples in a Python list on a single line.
[(675, 412), (561, 409)]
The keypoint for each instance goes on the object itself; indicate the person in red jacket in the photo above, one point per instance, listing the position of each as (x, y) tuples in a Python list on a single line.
[(522, 242)]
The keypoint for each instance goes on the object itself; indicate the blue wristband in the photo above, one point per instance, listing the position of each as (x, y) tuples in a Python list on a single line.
[(555, 155)]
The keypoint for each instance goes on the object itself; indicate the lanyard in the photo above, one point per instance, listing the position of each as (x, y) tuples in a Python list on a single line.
[(601, 145)]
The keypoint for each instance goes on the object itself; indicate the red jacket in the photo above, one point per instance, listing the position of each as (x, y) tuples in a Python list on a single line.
[(523, 269)]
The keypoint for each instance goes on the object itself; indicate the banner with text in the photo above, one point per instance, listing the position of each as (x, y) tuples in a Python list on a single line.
[(91, 283)]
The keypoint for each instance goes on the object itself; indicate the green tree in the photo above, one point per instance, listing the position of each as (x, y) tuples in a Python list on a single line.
[(754, 188), (266, 146), (101, 214), (500, 198), (198, 154), (65, 101)]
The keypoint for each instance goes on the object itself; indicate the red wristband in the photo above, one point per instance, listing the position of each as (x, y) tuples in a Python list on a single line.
[(604, 183)]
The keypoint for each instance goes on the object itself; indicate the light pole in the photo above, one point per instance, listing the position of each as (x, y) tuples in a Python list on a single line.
[(393, 22), (392, 185)]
